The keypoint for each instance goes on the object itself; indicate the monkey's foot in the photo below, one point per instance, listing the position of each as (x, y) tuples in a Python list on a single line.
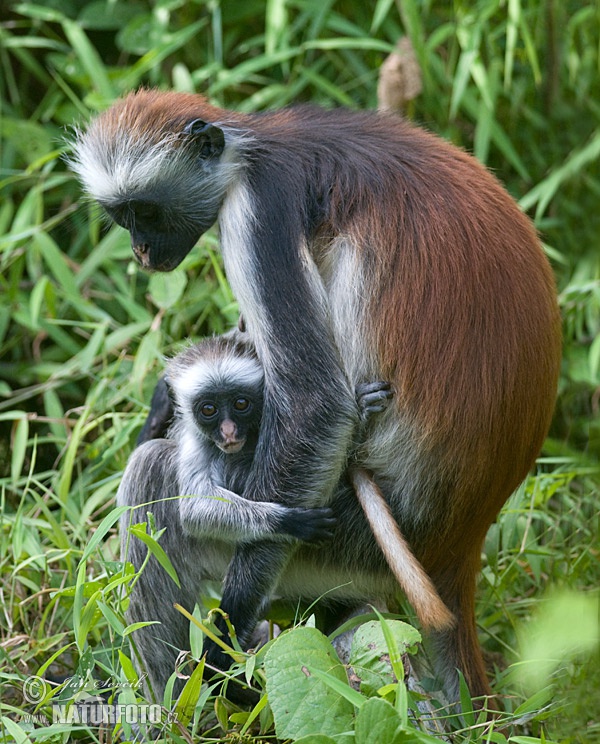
[(373, 397)]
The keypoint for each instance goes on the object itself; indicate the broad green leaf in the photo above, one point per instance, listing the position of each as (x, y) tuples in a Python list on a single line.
[(86, 664), (378, 721), (19, 446), (128, 669), (466, 702), (189, 695), (87, 620), (364, 43), (382, 8), (166, 289), (536, 702), (137, 626), (370, 652), (111, 617), (14, 730), (275, 22), (196, 635), (340, 686), (301, 703)]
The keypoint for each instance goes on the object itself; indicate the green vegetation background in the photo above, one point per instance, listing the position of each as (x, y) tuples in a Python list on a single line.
[(83, 332)]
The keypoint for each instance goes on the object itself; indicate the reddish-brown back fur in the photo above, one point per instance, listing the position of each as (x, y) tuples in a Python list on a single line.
[(149, 114), (471, 331), (470, 337)]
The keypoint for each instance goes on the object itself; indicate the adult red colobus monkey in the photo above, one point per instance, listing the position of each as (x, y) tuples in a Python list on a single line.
[(359, 248)]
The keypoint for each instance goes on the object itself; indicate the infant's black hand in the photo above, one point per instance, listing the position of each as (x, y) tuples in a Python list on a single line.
[(309, 525)]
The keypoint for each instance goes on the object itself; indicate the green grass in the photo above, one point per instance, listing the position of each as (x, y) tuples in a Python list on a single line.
[(83, 332)]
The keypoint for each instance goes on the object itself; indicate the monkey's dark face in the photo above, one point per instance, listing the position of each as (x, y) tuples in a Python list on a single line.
[(166, 218), (160, 174), (231, 419), (218, 389), (160, 237)]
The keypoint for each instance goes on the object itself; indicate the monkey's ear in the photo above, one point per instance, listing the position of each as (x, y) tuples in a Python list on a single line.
[(209, 138)]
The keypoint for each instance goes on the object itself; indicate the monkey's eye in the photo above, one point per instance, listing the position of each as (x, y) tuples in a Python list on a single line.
[(208, 410), (242, 405), (144, 210)]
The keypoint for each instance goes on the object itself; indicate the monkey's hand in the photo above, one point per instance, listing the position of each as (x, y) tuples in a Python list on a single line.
[(309, 525), (372, 397)]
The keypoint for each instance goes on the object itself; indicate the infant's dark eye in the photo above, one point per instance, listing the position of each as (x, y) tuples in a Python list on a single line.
[(208, 410), (242, 405)]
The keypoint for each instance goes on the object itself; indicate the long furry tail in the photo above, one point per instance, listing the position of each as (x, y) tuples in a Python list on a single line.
[(410, 574)]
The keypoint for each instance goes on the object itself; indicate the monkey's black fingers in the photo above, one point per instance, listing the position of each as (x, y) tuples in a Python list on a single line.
[(373, 397), (309, 525), (363, 388), (376, 407)]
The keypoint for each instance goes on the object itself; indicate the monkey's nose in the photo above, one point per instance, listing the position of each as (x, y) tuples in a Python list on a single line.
[(230, 440), (141, 251), (228, 431)]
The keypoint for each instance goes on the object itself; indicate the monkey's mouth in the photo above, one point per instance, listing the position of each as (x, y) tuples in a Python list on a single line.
[(144, 257), (230, 448), (162, 251)]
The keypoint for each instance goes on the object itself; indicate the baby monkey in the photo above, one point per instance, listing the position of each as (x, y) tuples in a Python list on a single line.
[(217, 387), (194, 478)]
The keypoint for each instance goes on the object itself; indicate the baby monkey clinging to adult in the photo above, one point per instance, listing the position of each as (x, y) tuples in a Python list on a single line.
[(217, 386)]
